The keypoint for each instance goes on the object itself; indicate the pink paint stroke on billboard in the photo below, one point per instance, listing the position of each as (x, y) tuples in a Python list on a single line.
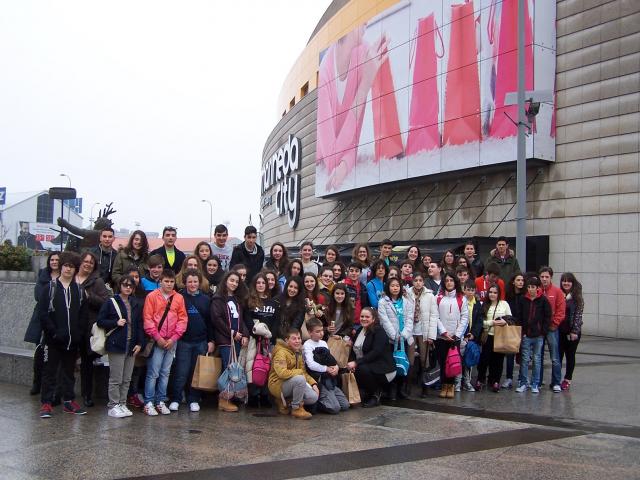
[(420, 90)]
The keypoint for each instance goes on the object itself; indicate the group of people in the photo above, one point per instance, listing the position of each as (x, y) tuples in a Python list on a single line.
[(160, 310)]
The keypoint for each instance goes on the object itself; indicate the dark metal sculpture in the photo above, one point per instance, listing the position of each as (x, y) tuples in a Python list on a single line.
[(83, 238)]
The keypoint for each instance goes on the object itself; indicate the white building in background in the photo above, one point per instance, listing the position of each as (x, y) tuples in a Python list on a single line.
[(29, 219)]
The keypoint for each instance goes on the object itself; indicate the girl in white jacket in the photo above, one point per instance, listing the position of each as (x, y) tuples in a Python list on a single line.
[(425, 320), (395, 310), (454, 318)]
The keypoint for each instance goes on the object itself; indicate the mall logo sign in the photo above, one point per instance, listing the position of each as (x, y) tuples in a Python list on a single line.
[(280, 170)]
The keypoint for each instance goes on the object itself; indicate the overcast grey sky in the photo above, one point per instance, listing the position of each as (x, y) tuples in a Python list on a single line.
[(154, 105)]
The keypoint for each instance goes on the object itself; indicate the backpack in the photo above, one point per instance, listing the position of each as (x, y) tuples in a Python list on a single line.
[(261, 364), (459, 298), (233, 381), (471, 354), (453, 364)]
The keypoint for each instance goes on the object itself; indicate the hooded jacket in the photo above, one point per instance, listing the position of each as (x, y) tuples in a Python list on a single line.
[(507, 265), (175, 324), (105, 261), (253, 261), (34, 329), (453, 313), (108, 318), (390, 321), (63, 314), (558, 305), (535, 315), (286, 364)]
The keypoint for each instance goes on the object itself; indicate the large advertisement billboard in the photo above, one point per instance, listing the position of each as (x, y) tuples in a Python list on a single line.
[(420, 90)]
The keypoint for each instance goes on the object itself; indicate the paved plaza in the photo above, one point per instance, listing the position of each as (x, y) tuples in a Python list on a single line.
[(592, 431)]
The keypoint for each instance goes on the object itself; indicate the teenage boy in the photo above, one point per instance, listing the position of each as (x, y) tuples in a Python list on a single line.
[(535, 318), (356, 290), (386, 247), (288, 378), (105, 253), (491, 278), (308, 264), (151, 281), (165, 321), (435, 277), (463, 274), (220, 248), (249, 253), (173, 257), (326, 283), (558, 305), (406, 271), (474, 331), (504, 258), (331, 399), (62, 310)]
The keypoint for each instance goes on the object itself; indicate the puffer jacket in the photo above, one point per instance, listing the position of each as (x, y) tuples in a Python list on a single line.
[(390, 322), (286, 364), (453, 311)]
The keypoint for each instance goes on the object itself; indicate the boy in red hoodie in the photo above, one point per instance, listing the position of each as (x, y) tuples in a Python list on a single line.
[(558, 304), (165, 321)]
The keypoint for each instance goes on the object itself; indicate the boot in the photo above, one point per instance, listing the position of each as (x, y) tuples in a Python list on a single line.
[(282, 407), (226, 405), (425, 392), (443, 390), (401, 389), (450, 391), (300, 413)]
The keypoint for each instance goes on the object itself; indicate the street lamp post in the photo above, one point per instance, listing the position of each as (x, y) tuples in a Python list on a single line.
[(68, 178), (210, 217)]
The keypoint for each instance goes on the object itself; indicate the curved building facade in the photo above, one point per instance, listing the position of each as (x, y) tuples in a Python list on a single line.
[(396, 124)]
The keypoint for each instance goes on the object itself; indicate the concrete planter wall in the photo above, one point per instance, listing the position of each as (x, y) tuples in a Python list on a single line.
[(13, 276)]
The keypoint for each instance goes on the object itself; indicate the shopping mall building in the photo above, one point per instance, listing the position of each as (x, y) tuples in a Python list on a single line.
[(395, 123)]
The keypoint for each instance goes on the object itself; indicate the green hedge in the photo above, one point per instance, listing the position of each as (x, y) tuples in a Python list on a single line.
[(14, 258)]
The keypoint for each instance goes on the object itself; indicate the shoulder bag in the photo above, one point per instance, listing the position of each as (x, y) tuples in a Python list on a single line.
[(98, 338)]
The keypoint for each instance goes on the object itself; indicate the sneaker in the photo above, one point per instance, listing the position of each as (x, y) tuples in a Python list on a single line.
[(495, 387), (557, 389), (194, 407), (116, 412), (458, 387), (162, 408), (521, 389), (535, 389), (126, 411), (467, 387), (174, 406), (507, 384), (71, 406), (478, 386), (150, 410), (46, 410), (565, 385), (135, 402)]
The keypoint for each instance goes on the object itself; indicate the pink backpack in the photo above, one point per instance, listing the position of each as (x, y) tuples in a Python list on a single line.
[(261, 364), (453, 364)]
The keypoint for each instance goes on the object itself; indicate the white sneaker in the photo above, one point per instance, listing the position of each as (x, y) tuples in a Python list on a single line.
[(458, 387), (162, 408), (521, 389), (507, 384), (557, 389), (150, 410), (194, 406), (535, 389), (116, 412), (174, 406), (125, 410)]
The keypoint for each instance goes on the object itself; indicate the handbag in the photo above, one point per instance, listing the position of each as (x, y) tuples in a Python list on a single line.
[(506, 338), (233, 381), (350, 388), (453, 363), (401, 359), (432, 374), (151, 342), (206, 373), (471, 354), (261, 364), (98, 338)]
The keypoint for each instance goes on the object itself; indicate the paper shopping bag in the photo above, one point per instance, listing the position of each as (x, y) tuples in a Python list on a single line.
[(506, 339), (350, 388), (206, 373), (340, 350)]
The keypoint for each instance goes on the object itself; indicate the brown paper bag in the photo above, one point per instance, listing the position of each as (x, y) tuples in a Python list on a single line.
[(206, 373), (350, 388), (340, 350), (506, 339)]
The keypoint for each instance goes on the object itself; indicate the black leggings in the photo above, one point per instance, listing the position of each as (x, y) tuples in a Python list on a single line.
[(369, 382), (568, 348), (490, 359)]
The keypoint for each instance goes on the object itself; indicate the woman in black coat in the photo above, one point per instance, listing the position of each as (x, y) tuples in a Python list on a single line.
[(372, 358)]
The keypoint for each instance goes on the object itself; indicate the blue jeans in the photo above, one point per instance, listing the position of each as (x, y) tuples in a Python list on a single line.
[(186, 357), (552, 339), (530, 346), (158, 367)]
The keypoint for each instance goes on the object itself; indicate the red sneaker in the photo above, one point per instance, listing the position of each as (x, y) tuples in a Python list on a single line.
[(71, 406), (565, 385), (134, 401), (46, 410)]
